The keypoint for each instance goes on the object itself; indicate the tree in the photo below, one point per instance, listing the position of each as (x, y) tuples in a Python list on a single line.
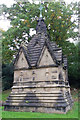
[(73, 66), (58, 18), (21, 21), (23, 17), (7, 76)]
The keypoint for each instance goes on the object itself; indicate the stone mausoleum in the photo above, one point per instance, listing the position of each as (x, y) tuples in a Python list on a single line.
[(40, 76)]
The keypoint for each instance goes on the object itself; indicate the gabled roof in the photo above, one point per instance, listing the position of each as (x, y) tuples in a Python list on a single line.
[(36, 45), (25, 54)]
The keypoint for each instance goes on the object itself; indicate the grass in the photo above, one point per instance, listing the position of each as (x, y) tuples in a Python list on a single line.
[(5, 94), (70, 114)]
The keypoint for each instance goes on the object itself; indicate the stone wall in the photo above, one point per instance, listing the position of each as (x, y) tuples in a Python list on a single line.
[(42, 74)]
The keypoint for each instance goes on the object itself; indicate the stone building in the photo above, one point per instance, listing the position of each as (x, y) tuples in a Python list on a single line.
[(40, 76)]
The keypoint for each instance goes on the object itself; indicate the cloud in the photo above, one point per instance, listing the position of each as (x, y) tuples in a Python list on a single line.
[(8, 3)]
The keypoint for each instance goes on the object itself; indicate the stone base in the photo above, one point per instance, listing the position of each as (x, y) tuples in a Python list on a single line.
[(45, 103), (60, 110)]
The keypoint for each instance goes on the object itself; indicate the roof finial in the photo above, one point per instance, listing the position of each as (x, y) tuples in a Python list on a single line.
[(41, 7)]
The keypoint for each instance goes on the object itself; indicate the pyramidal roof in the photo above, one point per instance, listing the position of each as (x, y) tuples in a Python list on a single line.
[(41, 26), (34, 48)]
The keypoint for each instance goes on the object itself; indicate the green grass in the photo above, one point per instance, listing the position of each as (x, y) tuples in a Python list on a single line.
[(70, 114), (5, 94)]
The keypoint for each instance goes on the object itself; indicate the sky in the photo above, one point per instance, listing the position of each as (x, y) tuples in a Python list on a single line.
[(5, 24)]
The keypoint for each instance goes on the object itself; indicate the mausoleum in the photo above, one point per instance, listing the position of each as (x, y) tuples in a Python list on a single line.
[(40, 76)]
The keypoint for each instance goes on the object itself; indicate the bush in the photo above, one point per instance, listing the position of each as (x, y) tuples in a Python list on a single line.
[(7, 76)]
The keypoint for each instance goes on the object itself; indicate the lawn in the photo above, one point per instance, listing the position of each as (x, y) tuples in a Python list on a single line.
[(70, 114)]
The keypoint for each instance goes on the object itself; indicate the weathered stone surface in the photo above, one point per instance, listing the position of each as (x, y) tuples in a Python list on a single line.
[(60, 110)]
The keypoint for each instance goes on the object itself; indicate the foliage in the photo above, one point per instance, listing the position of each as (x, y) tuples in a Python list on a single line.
[(23, 16), (58, 18), (73, 63), (3, 9), (21, 21), (5, 94), (7, 76)]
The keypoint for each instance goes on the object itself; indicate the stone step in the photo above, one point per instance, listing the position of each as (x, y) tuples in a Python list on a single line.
[(35, 90), (41, 93), (45, 94), (58, 110), (36, 101), (30, 82), (39, 86), (34, 98), (37, 104)]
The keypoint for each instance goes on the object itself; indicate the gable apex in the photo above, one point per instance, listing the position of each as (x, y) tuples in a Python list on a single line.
[(24, 54), (50, 53), (46, 56)]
